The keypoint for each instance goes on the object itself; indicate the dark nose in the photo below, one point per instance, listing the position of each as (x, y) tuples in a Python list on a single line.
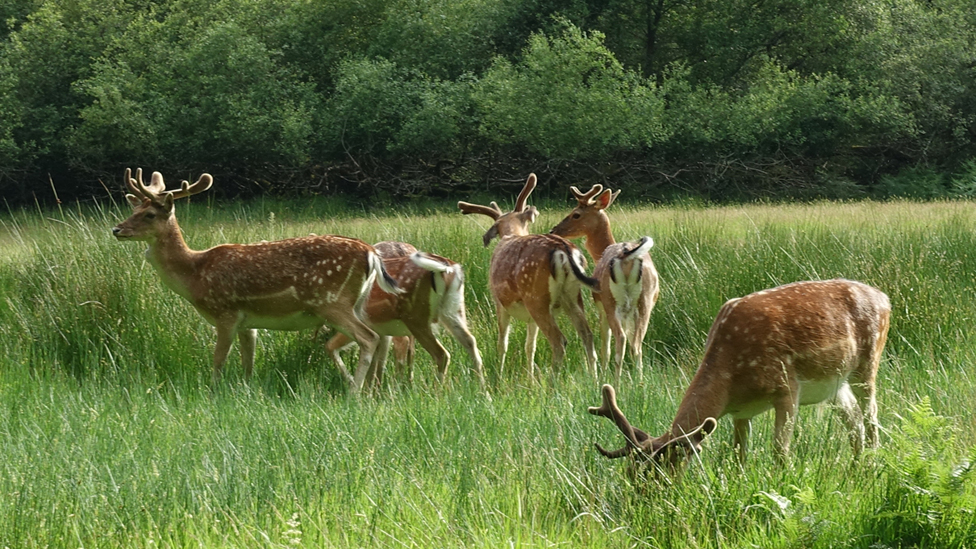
[(116, 230)]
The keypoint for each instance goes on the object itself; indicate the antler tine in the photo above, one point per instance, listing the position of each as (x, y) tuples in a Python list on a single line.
[(585, 199), (186, 189), (610, 410), (614, 454), (526, 191), (156, 184), (131, 183), (492, 211)]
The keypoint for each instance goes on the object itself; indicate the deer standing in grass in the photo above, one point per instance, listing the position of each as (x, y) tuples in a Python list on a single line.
[(533, 276), (796, 344), (628, 282), (290, 284), (433, 292)]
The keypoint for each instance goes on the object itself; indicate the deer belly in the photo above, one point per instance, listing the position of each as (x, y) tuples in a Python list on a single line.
[(814, 391)]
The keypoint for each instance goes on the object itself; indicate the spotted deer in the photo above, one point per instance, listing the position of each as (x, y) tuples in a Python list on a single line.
[(290, 284), (628, 282), (403, 346), (801, 343), (531, 277), (433, 293)]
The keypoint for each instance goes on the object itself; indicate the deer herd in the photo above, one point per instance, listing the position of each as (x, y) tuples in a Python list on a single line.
[(780, 348)]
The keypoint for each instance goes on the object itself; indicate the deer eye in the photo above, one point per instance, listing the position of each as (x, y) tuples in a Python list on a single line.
[(150, 215), (576, 215)]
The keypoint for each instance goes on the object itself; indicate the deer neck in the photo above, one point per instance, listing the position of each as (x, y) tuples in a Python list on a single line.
[(706, 397), (599, 239), (172, 258)]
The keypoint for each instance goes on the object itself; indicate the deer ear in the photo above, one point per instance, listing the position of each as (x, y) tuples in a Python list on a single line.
[(604, 199), (168, 201), (133, 200)]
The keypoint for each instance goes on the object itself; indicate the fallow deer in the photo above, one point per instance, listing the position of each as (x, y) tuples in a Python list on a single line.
[(403, 346), (796, 344), (433, 292), (290, 284), (533, 276), (628, 282)]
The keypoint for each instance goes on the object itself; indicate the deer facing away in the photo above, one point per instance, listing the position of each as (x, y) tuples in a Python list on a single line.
[(291, 284), (796, 344), (628, 282), (433, 293), (531, 277)]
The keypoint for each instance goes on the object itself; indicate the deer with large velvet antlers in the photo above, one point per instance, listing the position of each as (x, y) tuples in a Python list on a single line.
[(797, 344), (433, 293), (531, 277), (628, 282), (290, 284)]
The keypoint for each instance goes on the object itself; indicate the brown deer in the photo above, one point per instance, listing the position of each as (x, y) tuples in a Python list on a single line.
[(628, 282), (403, 346), (797, 344), (290, 284), (533, 276), (433, 292)]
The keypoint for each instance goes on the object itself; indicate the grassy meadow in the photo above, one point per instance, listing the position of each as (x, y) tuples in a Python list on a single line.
[(112, 435)]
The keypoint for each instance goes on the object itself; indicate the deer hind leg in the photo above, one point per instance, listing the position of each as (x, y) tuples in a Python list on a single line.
[(343, 318), (531, 335), (247, 339), (862, 384), (606, 340), (846, 404), (403, 349), (458, 326), (335, 344), (574, 309), (619, 346), (426, 338), (374, 376), (504, 326)]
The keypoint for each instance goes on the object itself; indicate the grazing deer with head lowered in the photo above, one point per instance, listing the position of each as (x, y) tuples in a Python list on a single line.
[(290, 284), (433, 292), (403, 346), (533, 276), (628, 282), (797, 344)]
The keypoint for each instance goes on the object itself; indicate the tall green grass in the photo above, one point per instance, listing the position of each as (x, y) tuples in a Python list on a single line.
[(111, 434)]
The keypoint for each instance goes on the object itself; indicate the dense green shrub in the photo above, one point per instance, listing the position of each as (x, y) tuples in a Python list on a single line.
[(569, 97)]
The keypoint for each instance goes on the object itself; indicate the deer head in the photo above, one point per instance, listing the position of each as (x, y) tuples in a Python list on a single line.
[(514, 223), (152, 204), (588, 217), (666, 450)]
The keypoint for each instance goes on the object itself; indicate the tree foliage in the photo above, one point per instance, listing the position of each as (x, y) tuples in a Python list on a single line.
[(717, 98)]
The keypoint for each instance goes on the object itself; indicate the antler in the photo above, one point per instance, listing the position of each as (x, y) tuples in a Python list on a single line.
[(586, 199), (157, 187), (492, 211), (610, 410), (526, 191), (186, 189)]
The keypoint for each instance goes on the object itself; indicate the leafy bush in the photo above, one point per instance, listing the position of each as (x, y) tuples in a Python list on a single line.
[(569, 98), (917, 182), (379, 108), (216, 95)]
